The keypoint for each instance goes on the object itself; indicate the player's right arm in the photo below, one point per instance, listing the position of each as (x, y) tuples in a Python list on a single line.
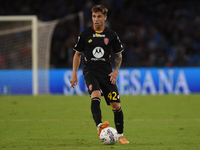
[(76, 63)]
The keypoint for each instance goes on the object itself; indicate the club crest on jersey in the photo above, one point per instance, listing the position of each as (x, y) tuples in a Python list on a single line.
[(106, 40), (90, 87)]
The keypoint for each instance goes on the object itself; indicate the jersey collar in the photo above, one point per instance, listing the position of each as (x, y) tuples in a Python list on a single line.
[(99, 31)]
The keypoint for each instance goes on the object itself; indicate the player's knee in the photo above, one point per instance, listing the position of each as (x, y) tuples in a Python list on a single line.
[(96, 93), (115, 106)]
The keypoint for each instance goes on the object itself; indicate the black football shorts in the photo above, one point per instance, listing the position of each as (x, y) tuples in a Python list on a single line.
[(95, 81)]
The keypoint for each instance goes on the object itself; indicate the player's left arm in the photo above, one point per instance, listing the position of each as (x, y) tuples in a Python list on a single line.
[(118, 62)]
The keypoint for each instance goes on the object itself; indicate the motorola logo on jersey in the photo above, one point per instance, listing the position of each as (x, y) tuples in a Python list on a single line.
[(98, 53)]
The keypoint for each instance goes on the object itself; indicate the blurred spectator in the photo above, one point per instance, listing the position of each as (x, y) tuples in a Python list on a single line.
[(2, 62)]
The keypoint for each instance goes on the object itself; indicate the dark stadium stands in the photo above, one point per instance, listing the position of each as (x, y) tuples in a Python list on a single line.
[(154, 33)]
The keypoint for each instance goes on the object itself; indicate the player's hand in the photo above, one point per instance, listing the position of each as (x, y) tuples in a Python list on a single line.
[(73, 81), (113, 77)]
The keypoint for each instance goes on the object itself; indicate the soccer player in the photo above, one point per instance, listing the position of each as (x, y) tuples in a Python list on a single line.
[(96, 44)]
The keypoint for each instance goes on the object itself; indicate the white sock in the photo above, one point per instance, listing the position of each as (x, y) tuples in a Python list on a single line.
[(120, 134), (98, 125)]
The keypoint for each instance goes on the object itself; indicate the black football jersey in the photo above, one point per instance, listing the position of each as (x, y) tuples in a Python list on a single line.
[(97, 48)]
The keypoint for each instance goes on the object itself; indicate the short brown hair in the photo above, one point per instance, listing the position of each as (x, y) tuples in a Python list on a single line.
[(100, 8)]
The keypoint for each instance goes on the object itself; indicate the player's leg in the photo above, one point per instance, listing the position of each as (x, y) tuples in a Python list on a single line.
[(95, 106), (119, 121), (96, 111), (111, 96), (95, 94), (118, 116)]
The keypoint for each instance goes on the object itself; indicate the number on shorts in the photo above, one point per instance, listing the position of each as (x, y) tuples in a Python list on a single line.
[(112, 96)]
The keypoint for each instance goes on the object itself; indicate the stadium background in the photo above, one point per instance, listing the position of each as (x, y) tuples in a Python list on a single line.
[(154, 33), (161, 41)]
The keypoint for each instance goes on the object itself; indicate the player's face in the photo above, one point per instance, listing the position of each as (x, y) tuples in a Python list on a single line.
[(98, 20)]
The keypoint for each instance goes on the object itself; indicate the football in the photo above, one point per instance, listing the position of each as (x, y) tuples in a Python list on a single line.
[(109, 136)]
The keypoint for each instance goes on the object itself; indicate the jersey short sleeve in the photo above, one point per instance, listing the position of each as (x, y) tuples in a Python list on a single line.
[(117, 45), (80, 44)]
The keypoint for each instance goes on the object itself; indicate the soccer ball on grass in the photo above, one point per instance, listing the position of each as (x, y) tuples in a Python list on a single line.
[(109, 136)]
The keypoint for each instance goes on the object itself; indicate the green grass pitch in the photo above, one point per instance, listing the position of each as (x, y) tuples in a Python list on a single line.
[(57, 122)]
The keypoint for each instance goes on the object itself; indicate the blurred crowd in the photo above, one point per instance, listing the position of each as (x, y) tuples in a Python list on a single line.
[(154, 33)]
